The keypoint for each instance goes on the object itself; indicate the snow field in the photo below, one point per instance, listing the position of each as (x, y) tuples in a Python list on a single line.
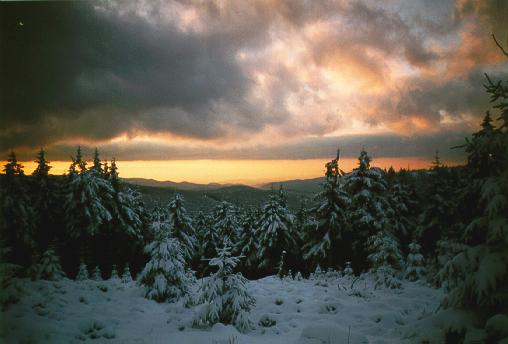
[(286, 311)]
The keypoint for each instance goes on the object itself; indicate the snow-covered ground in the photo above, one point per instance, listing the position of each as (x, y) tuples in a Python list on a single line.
[(286, 311)]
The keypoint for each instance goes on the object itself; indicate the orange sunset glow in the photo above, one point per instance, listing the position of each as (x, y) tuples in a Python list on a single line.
[(252, 172)]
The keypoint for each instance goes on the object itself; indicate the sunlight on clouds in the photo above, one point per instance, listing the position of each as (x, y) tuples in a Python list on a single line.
[(412, 125), (176, 78)]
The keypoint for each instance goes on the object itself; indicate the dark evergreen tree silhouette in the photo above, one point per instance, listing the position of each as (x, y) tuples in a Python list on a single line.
[(328, 239), (16, 213)]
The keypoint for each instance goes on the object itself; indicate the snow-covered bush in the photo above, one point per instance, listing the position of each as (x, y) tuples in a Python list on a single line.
[(267, 321), (280, 267), (82, 273), (386, 259), (332, 274), (387, 276), (164, 275), (97, 274), (348, 270), (317, 274), (114, 274), (415, 268), (126, 275), (225, 295), (48, 267), (94, 329)]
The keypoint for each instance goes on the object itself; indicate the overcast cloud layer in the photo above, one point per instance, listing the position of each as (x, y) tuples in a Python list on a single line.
[(253, 79)]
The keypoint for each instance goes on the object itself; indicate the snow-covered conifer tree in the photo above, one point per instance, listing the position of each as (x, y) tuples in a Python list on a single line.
[(446, 249), (97, 274), (126, 275), (206, 238), (82, 273), (86, 200), (274, 233), (369, 206), (43, 167), (329, 239), (225, 221), (114, 274), (129, 212), (16, 212), (164, 275), (477, 277), (486, 149), (48, 267), (97, 165), (78, 165), (303, 221), (182, 228), (283, 197), (200, 221), (224, 294), (385, 258), (128, 202), (113, 176), (317, 274), (247, 244), (415, 268), (45, 205), (436, 220), (402, 222), (348, 270), (126, 207)]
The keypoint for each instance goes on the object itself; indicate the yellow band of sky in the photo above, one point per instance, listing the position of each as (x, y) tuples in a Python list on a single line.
[(250, 172)]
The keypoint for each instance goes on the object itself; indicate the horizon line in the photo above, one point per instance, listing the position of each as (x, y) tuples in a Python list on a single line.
[(251, 172)]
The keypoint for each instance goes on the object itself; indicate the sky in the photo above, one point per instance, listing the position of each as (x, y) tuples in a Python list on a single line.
[(246, 90)]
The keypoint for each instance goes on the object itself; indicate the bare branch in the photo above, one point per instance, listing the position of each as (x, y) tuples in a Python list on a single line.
[(499, 45)]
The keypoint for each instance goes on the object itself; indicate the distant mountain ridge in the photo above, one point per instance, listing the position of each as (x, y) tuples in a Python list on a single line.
[(204, 197), (174, 185), (301, 185), (312, 185)]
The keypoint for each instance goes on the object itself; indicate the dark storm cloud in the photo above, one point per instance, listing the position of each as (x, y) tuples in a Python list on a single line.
[(455, 96), (379, 146), (69, 70), (491, 12), (92, 71)]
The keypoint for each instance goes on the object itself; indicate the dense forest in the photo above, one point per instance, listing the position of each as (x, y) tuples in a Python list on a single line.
[(445, 225)]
